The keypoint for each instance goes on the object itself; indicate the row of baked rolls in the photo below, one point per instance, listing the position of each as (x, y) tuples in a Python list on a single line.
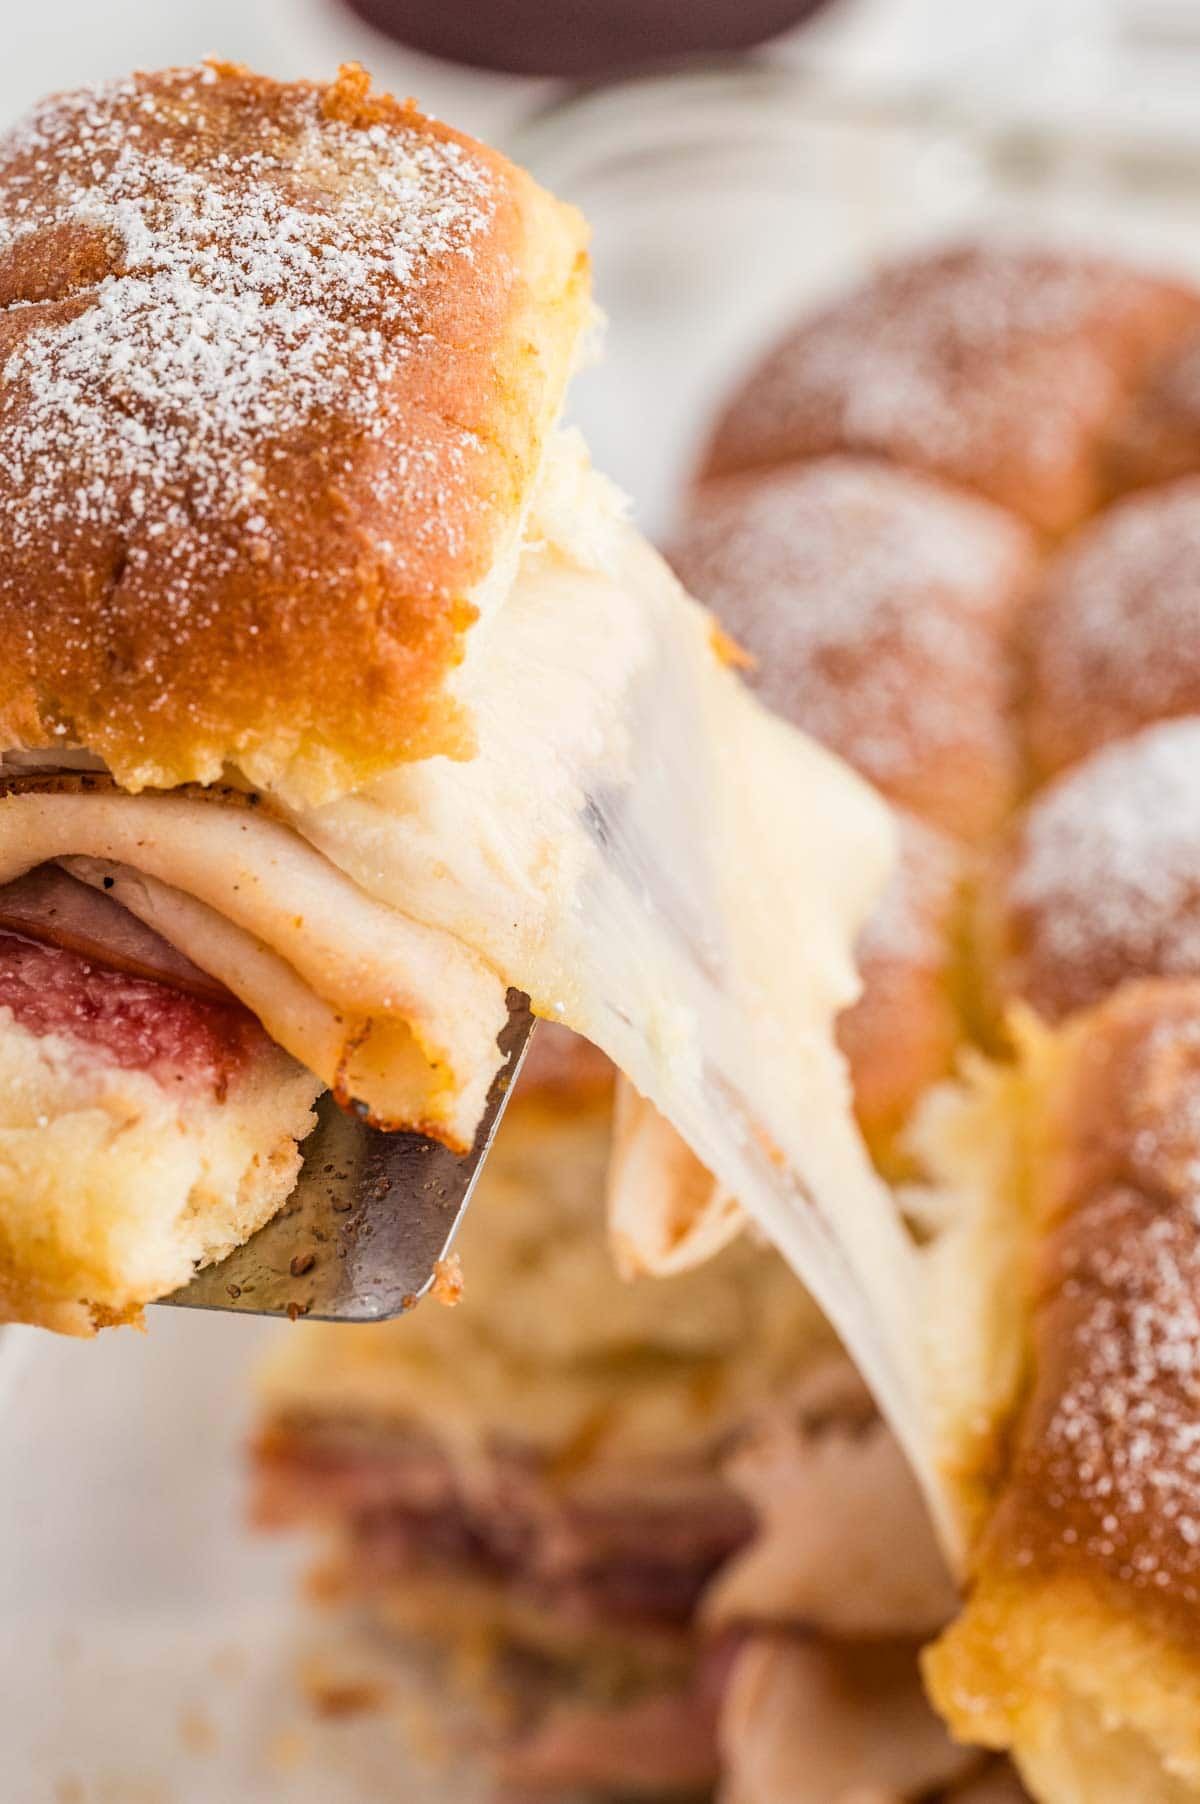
[(1047, 380), (885, 610), (1077, 1646), (961, 662)]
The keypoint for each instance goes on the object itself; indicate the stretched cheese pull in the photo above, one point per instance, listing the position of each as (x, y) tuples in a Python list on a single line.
[(673, 872)]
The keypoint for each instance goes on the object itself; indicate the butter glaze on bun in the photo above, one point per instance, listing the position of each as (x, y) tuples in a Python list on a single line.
[(279, 362)]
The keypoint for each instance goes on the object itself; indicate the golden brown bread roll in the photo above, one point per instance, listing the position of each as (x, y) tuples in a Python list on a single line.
[(1000, 368), (1113, 635), (1158, 436), (282, 369), (1078, 1645), (880, 611), (280, 363), (1100, 880), (227, 485), (1061, 1277)]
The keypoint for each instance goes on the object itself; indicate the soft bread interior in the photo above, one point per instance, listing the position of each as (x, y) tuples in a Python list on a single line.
[(114, 1185), (977, 1139), (548, 1350), (1092, 1707)]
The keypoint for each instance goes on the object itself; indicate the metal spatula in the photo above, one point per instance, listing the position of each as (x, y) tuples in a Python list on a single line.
[(360, 1236)]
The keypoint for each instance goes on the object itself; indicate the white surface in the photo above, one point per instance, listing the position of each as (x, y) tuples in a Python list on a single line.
[(149, 1644), (123, 1568)]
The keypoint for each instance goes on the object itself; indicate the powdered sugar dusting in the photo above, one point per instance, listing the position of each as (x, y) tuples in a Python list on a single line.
[(1116, 637), (240, 296), (932, 362), (1106, 883), (874, 603), (1119, 1453)]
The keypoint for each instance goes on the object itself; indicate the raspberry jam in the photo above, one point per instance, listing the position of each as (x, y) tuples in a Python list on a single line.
[(130, 1021)]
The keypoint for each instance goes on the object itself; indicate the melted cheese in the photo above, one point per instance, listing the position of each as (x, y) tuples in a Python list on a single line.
[(386, 1010), (638, 844), (675, 873)]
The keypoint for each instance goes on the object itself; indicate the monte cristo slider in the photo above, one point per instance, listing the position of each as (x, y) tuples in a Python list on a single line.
[(339, 696)]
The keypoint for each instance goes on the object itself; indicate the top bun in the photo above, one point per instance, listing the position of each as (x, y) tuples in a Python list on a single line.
[(279, 363)]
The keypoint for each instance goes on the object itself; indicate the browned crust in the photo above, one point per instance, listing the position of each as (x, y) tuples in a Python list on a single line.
[(1001, 369), (1105, 1479), (292, 594), (1097, 882), (1113, 635), (1085, 1586), (879, 610)]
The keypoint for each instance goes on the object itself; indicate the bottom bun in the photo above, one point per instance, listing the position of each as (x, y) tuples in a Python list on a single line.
[(132, 1153)]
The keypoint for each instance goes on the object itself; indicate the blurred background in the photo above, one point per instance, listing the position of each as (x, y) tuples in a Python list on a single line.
[(736, 160)]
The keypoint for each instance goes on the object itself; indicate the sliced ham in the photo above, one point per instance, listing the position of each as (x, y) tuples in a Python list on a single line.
[(73, 962), (664, 1741), (399, 1017), (48, 905), (638, 1554)]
